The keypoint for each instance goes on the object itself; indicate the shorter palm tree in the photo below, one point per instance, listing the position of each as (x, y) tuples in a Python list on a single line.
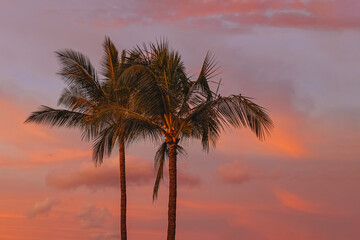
[(84, 98)]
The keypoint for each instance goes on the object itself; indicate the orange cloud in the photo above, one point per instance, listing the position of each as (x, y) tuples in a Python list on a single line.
[(59, 155), (286, 140), (233, 173), (295, 202), (187, 179), (238, 172), (43, 207), (107, 175), (13, 127), (10, 215), (235, 14), (93, 217), (30, 145), (138, 171), (207, 206), (105, 236)]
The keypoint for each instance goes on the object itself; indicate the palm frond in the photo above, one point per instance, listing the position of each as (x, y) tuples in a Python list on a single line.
[(161, 154), (240, 111), (72, 98), (159, 160), (207, 72), (135, 129), (149, 91), (205, 125), (78, 71), (111, 108), (200, 89), (110, 63), (104, 142), (57, 117)]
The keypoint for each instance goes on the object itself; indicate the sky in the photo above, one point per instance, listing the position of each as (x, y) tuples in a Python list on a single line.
[(298, 58)]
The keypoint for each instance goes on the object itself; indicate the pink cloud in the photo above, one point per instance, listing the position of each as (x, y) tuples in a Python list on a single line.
[(235, 14), (43, 207), (188, 179), (93, 217), (138, 171), (105, 236), (13, 120), (287, 139), (234, 173), (293, 201), (38, 145), (10, 215), (206, 206), (239, 172), (59, 155)]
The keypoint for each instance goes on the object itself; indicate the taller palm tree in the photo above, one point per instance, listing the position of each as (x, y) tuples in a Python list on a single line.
[(83, 99), (180, 108)]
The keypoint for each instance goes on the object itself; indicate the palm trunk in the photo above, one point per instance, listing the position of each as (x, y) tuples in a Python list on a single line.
[(122, 189), (172, 192)]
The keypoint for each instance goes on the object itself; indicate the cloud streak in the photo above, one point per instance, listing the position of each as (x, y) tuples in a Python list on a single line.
[(323, 14), (43, 207), (94, 217), (105, 236), (222, 15), (139, 172), (241, 171), (293, 201)]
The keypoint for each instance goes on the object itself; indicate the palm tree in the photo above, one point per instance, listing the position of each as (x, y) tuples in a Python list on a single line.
[(180, 108), (83, 99)]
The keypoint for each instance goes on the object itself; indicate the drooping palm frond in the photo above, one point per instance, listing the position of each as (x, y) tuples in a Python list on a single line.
[(210, 117), (206, 128), (159, 162), (128, 129), (105, 141), (137, 129), (240, 111)]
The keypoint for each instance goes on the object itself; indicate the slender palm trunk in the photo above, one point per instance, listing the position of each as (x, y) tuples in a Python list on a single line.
[(122, 189), (172, 192)]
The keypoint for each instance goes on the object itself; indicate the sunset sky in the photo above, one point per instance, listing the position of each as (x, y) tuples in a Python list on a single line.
[(298, 58)]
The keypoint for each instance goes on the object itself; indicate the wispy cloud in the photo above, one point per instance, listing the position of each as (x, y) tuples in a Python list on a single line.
[(323, 14), (222, 15), (239, 172), (43, 207), (94, 217), (38, 145), (139, 172), (293, 201), (105, 236)]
